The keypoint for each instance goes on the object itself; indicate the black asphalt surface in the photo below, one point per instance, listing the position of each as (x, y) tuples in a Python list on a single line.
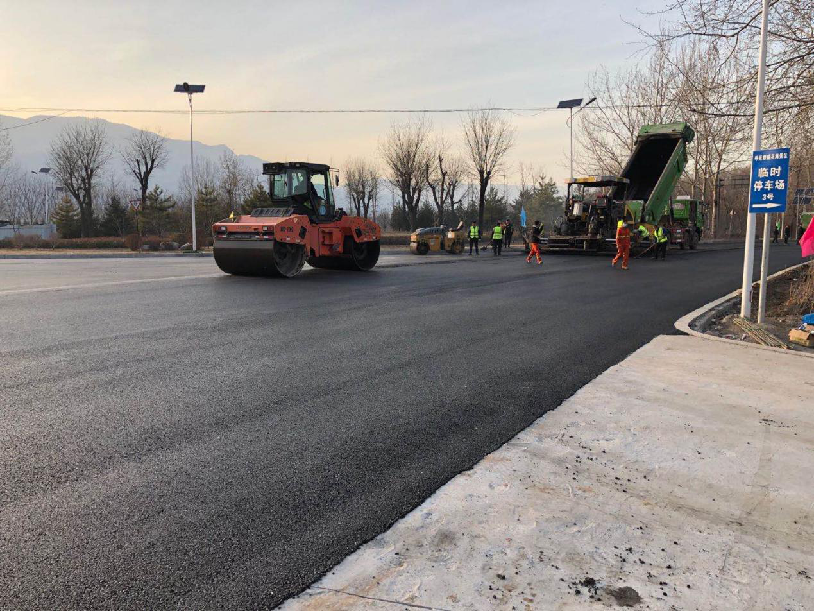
[(213, 441)]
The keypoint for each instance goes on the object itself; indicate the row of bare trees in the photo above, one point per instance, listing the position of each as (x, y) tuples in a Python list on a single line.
[(80, 157), (422, 166)]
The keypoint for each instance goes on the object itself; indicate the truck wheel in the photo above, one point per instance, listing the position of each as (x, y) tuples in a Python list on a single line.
[(422, 249)]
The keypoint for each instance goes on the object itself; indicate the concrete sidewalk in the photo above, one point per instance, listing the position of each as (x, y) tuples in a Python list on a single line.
[(678, 479)]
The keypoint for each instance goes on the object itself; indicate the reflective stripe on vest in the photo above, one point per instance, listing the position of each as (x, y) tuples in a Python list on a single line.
[(474, 232), (660, 235), (497, 233)]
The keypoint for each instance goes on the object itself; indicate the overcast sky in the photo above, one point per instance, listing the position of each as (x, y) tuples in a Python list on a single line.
[(270, 54)]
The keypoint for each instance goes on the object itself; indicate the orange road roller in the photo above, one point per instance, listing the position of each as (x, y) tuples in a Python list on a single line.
[(301, 224)]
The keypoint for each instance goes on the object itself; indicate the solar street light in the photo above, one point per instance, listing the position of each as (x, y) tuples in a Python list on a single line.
[(189, 90), (571, 105)]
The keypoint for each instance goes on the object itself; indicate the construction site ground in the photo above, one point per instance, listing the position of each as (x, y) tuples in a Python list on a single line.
[(179, 438), (678, 479)]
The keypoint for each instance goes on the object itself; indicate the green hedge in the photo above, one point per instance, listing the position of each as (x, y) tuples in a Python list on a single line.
[(395, 239)]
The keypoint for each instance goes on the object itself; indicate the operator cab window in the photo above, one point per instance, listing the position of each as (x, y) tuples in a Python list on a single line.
[(322, 195), (288, 184)]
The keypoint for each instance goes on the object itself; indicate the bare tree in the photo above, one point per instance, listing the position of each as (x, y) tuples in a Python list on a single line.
[(721, 140), (735, 28), (143, 153), (207, 177), (437, 177), (456, 187), (489, 137), (78, 156), (406, 154), (362, 183), (236, 180), (6, 153), (631, 98), (27, 198)]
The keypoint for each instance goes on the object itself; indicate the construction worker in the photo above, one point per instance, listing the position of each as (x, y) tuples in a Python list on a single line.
[(474, 236), (507, 234), (534, 243), (497, 239), (622, 245), (662, 237), (643, 232), (776, 232)]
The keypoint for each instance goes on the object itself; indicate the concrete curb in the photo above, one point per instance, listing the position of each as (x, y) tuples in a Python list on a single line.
[(707, 311)]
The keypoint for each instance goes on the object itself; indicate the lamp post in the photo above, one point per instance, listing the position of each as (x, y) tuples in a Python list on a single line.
[(44, 172), (189, 90), (571, 105)]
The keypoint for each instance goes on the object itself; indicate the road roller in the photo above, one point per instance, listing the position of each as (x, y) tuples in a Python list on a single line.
[(300, 225)]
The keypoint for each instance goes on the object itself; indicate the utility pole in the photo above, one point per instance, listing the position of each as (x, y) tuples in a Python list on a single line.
[(751, 220), (571, 123), (189, 90)]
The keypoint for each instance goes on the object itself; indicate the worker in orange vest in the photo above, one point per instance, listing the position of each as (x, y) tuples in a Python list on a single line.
[(534, 243), (622, 245)]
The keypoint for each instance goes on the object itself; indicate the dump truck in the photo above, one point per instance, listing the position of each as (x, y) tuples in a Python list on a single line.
[(640, 194), (686, 222), (438, 239), (301, 224)]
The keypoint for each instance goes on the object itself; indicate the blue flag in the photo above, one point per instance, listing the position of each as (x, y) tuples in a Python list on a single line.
[(522, 216)]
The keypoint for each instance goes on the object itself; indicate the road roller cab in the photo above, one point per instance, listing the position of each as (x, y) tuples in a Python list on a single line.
[(301, 224)]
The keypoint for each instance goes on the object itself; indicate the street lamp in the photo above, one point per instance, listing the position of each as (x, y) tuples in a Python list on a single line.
[(571, 105), (189, 90), (44, 172)]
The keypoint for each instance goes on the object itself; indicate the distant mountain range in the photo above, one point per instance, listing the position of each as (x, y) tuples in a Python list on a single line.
[(32, 144)]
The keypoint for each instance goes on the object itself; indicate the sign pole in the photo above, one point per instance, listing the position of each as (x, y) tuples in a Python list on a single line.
[(749, 251)]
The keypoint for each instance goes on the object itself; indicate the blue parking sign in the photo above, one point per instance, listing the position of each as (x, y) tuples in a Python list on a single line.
[(770, 180)]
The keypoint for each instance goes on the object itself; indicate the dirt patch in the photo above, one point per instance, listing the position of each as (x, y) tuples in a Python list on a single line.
[(787, 300), (624, 596)]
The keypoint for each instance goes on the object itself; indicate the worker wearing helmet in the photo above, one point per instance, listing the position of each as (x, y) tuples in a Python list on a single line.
[(474, 236), (662, 237), (497, 239), (534, 243), (622, 245)]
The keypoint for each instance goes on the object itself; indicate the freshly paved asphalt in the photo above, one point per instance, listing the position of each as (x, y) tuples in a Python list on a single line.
[(210, 441)]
